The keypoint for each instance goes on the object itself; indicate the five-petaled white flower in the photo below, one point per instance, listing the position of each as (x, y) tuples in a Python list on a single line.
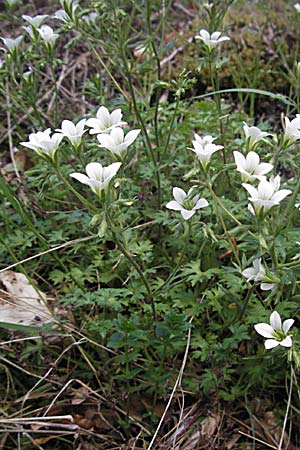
[(257, 273), (211, 40), (116, 142), (276, 333), (97, 177), (35, 21), (204, 148), (292, 129), (105, 121), (267, 194), (73, 132), (187, 204), (43, 143), (250, 167), (297, 7), (253, 135), (48, 35), (12, 44)]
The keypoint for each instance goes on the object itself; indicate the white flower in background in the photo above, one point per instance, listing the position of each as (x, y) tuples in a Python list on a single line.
[(187, 204), (211, 40), (250, 167), (43, 143), (253, 135), (61, 14), (35, 21), (257, 273), (91, 17), (276, 333), (97, 177), (69, 7), (12, 44), (1, 63), (30, 31), (292, 129), (204, 148), (105, 121), (28, 74), (73, 132), (48, 35), (116, 142), (297, 7), (267, 194)]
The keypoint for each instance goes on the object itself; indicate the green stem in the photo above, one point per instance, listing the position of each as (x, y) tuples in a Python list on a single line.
[(133, 262), (246, 301), (171, 127), (142, 124)]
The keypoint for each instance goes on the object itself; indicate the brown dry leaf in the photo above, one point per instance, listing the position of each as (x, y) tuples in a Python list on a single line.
[(210, 425), (84, 423), (270, 426), (21, 303), (80, 395)]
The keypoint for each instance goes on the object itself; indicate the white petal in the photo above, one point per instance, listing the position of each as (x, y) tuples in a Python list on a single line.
[(94, 170), (81, 177), (271, 343), (116, 116), (287, 342), (287, 324), (174, 205), (252, 191), (280, 195), (105, 140), (131, 136), (179, 194), (267, 286), (249, 273), (252, 160), (201, 203), (111, 170), (265, 190), (264, 168), (186, 214), (240, 160), (275, 321), (264, 329)]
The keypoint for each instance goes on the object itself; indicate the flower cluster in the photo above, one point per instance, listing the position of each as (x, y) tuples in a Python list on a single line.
[(107, 127)]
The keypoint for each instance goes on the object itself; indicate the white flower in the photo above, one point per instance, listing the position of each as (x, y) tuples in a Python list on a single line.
[(253, 135), (292, 129), (27, 75), (297, 7), (276, 333), (61, 14), (91, 17), (186, 203), (249, 167), (12, 44), (73, 132), (211, 40), (35, 21), (47, 34), (30, 31), (204, 148), (267, 194), (98, 177), (116, 142), (105, 121), (258, 273), (43, 143)]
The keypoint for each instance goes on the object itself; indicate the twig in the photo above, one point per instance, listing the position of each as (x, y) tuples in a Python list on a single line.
[(74, 241), (9, 132), (177, 383), (287, 410)]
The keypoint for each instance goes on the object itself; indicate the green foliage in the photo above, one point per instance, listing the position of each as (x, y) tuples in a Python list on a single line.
[(142, 286)]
